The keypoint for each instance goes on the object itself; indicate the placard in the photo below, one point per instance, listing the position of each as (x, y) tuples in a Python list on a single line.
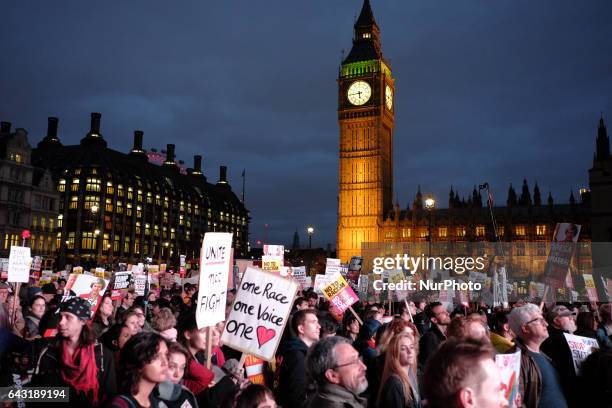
[(215, 259), (319, 282), (122, 281), (259, 313), (271, 263), (589, 285), (339, 295), (333, 267), (140, 284), (19, 264), (510, 370), (299, 275), (87, 287), (581, 348)]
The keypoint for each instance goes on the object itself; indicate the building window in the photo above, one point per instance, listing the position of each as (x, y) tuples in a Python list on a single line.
[(61, 187), (460, 231), (60, 220), (540, 230), (442, 232), (519, 230), (480, 231), (366, 35), (149, 198), (139, 197), (93, 184), (120, 190), (501, 230), (130, 195), (90, 200), (110, 190), (88, 240), (75, 184), (74, 202), (128, 212), (109, 205)]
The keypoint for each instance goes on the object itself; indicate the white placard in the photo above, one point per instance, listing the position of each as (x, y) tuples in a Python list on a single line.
[(215, 261), (320, 282), (19, 264), (259, 313), (581, 348), (510, 369)]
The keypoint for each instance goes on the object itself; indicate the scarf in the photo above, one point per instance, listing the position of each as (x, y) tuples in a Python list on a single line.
[(80, 371)]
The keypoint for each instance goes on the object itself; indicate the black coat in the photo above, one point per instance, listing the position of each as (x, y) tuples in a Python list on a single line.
[(48, 374), (429, 344), (292, 384), (392, 395), (556, 347)]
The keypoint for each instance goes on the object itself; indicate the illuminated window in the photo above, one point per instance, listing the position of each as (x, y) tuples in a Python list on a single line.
[(75, 184), (88, 240), (480, 231), (119, 207), (90, 201), (60, 220), (157, 199), (138, 227), (109, 188), (138, 211), (34, 222), (442, 232), (501, 230), (120, 190), (61, 186), (149, 198), (366, 35), (109, 205), (93, 184), (139, 197), (460, 231), (540, 230), (519, 230), (74, 202), (128, 212), (77, 171), (130, 194)]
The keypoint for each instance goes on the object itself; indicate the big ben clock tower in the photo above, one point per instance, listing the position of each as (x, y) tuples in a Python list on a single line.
[(366, 95)]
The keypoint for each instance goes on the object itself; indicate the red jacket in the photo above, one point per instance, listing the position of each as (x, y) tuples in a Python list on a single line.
[(197, 377)]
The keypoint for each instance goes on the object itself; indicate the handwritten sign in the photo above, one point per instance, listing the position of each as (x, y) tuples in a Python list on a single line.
[(320, 282), (253, 367), (215, 261), (19, 264), (510, 369), (340, 295), (581, 348), (271, 263), (259, 313), (299, 275), (333, 267), (140, 284)]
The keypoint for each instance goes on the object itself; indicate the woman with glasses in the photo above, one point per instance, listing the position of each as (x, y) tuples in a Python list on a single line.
[(399, 380)]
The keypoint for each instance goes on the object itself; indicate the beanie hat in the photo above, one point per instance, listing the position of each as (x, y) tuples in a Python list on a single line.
[(77, 306)]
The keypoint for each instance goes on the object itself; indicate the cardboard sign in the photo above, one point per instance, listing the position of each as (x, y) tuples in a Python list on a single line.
[(87, 287), (122, 281), (37, 263), (299, 275), (536, 290), (333, 267), (510, 370), (140, 284), (77, 269), (259, 313), (340, 295), (320, 282), (271, 263), (581, 348), (253, 367), (589, 285), (166, 280), (561, 252), (19, 264), (215, 260)]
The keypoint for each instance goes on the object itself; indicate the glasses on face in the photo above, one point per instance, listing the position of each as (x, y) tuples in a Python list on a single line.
[(357, 361), (537, 319)]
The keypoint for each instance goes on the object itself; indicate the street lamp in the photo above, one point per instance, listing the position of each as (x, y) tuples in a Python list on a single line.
[(310, 231), (167, 244), (430, 204)]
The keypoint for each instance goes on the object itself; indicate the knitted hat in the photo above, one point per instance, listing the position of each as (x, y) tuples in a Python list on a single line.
[(77, 306)]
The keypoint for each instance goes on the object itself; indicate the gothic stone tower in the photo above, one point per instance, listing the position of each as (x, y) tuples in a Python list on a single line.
[(366, 117)]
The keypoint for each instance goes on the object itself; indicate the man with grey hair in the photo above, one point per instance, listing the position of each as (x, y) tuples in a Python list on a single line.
[(539, 381), (340, 375)]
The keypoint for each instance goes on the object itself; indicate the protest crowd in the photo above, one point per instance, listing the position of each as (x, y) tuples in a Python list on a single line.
[(132, 350)]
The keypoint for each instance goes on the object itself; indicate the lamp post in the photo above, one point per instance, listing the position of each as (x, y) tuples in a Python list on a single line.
[(167, 244), (94, 215), (430, 204), (310, 231), (95, 257)]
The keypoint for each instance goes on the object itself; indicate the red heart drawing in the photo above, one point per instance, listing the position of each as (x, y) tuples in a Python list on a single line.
[(264, 335)]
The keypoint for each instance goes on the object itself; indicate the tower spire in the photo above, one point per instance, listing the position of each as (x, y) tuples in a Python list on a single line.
[(366, 37), (602, 152)]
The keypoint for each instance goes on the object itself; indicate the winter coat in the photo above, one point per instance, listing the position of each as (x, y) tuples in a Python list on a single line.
[(429, 344), (335, 396), (392, 395), (292, 386), (47, 373), (166, 395)]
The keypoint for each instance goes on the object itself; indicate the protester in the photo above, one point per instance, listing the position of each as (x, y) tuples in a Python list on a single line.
[(350, 326), (329, 327), (4, 292), (399, 378), (76, 360), (36, 310), (164, 322), (430, 341), (127, 301), (131, 320), (464, 328), (177, 362), (198, 377), (463, 374), (420, 319), (586, 325), (255, 396), (539, 383), (103, 319), (339, 374), (143, 376), (501, 335), (604, 332), (291, 391)]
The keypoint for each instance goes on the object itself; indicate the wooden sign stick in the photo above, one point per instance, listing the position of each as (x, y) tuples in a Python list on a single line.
[(356, 315), (209, 334)]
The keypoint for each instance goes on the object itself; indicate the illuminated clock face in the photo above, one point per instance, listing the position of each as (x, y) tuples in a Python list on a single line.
[(359, 93), (388, 97)]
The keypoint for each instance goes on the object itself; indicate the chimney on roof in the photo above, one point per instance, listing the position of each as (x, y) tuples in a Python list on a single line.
[(222, 175), (169, 154), (137, 141), (52, 129), (94, 129), (197, 164), (5, 127)]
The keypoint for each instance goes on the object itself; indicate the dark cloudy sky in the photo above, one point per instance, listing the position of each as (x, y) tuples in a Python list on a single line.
[(486, 90)]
